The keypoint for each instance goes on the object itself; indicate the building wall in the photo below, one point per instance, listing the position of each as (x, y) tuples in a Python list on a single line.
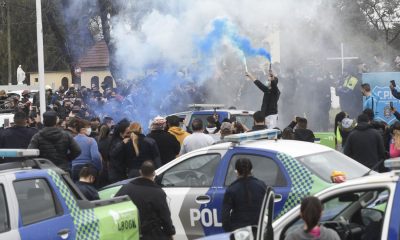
[(53, 79)]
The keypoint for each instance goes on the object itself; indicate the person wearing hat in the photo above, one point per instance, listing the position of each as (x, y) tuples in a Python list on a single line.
[(54, 143), (345, 127), (167, 144), (19, 135)]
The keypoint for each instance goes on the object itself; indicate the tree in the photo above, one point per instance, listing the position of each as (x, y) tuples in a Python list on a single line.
[(70, 24), (384, 16)]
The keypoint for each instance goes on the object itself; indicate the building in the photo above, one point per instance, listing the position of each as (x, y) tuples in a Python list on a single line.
[(93, 70)]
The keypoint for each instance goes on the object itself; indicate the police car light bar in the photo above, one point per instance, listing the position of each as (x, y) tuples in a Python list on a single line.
[(393, 164), (203, 106), (261, 134), (19, 153)]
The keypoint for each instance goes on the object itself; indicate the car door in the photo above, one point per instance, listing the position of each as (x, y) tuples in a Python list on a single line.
[(266, 167), (189, 186), (8, 223), (41, 215)]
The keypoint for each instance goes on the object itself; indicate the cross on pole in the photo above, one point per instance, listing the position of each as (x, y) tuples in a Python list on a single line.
[(342, 57)]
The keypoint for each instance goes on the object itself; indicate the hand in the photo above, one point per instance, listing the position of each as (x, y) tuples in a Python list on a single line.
[(126, 140), (215, 117), (250, 76), (134, 137)]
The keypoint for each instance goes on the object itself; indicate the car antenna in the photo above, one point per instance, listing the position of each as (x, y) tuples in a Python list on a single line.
[(374, 167)]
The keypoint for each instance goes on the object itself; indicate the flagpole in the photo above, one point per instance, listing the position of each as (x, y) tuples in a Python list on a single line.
[(39, 34)]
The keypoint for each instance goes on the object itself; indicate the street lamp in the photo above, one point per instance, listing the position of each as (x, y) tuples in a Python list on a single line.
[(39, 34)]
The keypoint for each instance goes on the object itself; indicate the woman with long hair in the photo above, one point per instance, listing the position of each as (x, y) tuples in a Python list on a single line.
[(395, 143), (117, 165), (139, 149), (104, 141), (243, 198), (311, 211)]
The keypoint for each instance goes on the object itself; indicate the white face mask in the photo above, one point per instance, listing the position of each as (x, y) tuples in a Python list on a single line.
[(88, 131)]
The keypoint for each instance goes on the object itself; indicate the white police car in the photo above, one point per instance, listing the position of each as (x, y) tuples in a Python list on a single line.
[(363, 208), (39, 201), (195, 183)]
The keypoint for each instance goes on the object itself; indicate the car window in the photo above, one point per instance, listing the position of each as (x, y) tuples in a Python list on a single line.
[(203, 118), (35, 199), (4, 220), (322, 164), (359, 210), (197, 171), (264, 168), (246, 120)]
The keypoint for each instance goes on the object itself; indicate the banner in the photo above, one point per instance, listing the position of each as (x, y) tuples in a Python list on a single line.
[(380, 82)]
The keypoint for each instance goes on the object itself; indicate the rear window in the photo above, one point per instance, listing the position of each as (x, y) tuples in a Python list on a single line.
[(246, 120), (322, 164)]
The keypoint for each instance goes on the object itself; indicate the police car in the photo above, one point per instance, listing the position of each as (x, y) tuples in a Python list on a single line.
[(195, 183), (363, 208), (39, 201)]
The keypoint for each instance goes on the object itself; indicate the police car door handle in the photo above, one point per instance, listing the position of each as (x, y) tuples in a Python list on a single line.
[(278, 198), (63, 233), (203, 199)]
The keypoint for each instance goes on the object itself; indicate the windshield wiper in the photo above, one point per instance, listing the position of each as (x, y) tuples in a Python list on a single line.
[(374, 167)]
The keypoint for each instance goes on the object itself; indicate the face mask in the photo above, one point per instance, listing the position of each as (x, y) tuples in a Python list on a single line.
[(88, 131), (268, 83)]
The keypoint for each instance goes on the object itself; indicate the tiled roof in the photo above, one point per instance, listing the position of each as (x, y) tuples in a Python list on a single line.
[(96, 56)]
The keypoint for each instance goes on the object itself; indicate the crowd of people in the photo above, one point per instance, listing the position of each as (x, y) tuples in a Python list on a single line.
[(96, 151)]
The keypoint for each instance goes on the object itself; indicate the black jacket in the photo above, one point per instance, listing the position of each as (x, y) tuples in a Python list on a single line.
[(395, 93), (148, 150), (300, 134), (17, 137), (117, 165), (305, 135), (271, 96), (242, 203), (56, 145), (258, 127), (88, 190), (151, 201), (167, 144), (365, 145)]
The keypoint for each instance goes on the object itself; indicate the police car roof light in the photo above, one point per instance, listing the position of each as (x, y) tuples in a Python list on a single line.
[(38, 163), (393, 164), (11, 153), (204, 106), (261, 134)]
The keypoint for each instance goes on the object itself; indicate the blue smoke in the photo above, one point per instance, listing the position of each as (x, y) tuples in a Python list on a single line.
[(167, 90), (222, 28)]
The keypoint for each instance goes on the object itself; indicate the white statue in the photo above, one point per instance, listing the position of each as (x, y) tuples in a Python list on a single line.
[(20, 75)]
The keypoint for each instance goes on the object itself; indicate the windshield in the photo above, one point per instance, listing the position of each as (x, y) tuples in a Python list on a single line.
[(322, 164)]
